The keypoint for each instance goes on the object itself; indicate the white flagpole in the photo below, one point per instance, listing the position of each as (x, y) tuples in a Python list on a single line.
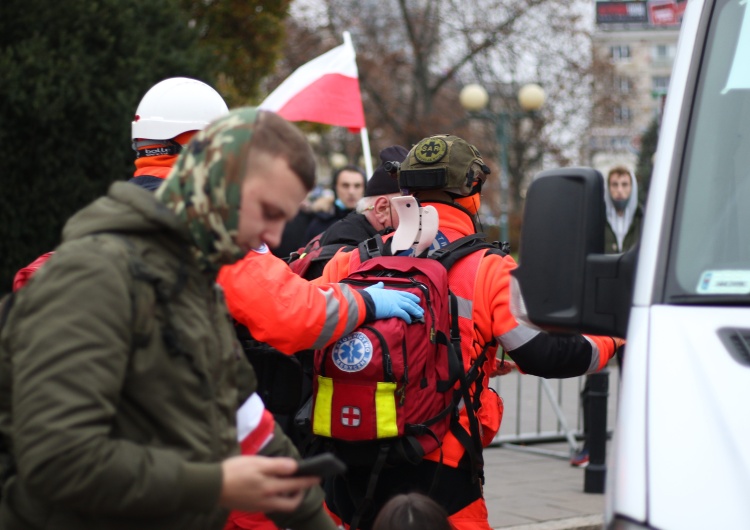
[(363, 132), (366, 151)]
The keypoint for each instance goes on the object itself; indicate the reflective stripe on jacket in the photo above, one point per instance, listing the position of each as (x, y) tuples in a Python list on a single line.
[(284, 310)]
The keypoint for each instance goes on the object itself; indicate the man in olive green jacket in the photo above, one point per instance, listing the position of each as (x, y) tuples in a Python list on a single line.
[(120, 368)]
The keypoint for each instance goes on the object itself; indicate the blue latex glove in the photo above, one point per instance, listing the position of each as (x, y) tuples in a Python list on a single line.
[(391, 303)]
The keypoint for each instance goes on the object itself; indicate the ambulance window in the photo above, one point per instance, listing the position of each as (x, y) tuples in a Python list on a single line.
[(711, 243)]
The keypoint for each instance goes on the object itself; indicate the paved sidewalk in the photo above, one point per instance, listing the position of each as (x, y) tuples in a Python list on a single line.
[(526, 491)]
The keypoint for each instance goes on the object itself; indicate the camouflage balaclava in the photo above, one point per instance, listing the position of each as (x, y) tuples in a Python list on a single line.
[(204, 187)]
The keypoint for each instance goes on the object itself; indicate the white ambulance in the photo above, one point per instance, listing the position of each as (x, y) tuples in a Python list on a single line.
[(681, 451)]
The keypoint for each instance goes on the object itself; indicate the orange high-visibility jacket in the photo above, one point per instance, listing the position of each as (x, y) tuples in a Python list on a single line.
[(484, 313), (284, 310)]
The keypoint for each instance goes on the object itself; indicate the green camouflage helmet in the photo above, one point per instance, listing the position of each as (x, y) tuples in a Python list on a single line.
[(203, 188), (443, 162)]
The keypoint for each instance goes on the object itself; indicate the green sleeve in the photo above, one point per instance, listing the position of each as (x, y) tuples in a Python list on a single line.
[(310, 514), (71, 341)]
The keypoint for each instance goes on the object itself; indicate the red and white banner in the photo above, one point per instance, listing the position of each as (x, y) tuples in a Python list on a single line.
[(254, 425), (324, 90)]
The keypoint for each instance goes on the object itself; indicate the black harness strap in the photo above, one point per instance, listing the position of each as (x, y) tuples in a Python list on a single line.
[(367, 503)]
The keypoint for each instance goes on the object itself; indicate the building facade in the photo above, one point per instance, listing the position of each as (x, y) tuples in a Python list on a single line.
[(634, 44)]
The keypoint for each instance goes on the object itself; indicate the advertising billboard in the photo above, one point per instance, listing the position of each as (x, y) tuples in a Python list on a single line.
[(640, 12)]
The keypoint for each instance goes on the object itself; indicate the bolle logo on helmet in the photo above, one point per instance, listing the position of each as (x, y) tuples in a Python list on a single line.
[(352, 353), (431, 150), (158, 151)]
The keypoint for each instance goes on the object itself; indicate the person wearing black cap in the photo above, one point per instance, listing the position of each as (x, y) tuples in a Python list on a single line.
[(373, 214)]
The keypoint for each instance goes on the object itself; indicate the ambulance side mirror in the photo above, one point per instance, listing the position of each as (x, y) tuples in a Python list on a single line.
[(565, 281)]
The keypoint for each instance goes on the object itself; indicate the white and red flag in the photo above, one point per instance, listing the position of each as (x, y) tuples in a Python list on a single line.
[(324, 90)]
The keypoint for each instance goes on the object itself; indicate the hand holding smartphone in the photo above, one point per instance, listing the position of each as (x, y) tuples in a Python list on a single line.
[(324, 465)]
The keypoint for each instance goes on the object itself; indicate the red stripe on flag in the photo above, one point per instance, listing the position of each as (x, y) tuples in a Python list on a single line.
[(257, 439), (333, 99)]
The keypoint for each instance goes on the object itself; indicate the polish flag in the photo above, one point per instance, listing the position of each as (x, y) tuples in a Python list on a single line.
[(254, 425), (324, 90)]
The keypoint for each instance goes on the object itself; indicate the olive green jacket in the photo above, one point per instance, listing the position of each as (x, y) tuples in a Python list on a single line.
[(125, 377), (631, 238)]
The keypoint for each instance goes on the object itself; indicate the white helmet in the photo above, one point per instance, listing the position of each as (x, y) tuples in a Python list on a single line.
[(174, 106)]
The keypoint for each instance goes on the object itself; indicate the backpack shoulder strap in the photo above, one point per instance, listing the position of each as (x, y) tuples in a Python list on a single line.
[(301, 263), (150, 288), (301, 252), (451, 253), (471, 441), (328, 251), (373, 248), (6, 304)]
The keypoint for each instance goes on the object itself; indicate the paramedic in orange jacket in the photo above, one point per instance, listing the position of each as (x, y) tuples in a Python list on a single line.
[(289, 313), (447, 172)]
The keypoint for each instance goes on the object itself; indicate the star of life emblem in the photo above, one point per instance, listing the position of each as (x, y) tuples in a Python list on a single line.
[(351, 416), (352, 353)]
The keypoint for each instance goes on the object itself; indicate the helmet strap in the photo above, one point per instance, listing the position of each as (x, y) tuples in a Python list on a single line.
[(156, 148)]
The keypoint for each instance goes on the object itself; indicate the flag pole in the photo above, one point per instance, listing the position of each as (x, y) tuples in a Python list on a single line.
[(363, 131), (366, 151)]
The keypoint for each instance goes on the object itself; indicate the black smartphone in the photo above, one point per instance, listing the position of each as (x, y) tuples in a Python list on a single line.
[(324, 465)]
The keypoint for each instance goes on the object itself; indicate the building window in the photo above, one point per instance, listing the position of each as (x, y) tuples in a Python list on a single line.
[(663, 52), (623, 85), (620, 52), (623, 115), (659, 84)]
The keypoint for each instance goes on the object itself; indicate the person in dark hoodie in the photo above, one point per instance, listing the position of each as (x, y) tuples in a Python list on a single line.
[(373, 213), (622, 232), (624, 212)]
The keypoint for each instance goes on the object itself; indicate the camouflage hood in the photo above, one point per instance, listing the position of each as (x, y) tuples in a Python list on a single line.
[(203, 189)]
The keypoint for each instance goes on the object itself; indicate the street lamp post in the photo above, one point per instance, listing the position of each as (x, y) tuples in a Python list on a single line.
[(474, 99)]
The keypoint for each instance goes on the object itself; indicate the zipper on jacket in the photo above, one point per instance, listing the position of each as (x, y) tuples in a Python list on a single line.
[(401, 392)]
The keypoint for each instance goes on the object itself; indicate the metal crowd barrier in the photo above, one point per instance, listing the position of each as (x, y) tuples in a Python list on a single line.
[(545, 411)]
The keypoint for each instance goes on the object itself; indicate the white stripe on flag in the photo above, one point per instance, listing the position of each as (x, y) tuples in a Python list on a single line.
[(340, 60), (249, 416)]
